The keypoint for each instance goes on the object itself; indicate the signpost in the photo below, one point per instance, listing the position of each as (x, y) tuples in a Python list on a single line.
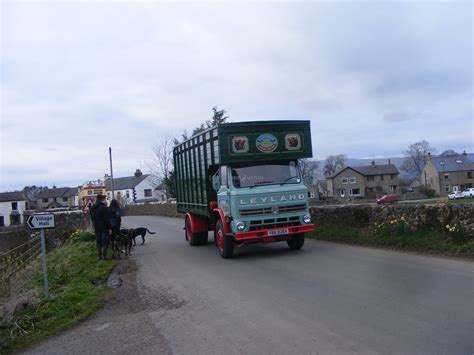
[(42, 221)]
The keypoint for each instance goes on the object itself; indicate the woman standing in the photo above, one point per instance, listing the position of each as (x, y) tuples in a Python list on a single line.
[(115, 219)]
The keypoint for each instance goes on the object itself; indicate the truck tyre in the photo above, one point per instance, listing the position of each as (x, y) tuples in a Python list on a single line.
[(203, 238), (225, 243), (192, 238), (295, 241)]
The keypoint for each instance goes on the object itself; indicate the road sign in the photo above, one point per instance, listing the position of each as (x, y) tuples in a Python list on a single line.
[(41, 221)]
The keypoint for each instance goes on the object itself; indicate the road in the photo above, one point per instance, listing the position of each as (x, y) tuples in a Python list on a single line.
[(326, 298)]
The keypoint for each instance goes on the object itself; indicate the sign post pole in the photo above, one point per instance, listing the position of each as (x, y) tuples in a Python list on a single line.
[(45, 267), (42, 221)]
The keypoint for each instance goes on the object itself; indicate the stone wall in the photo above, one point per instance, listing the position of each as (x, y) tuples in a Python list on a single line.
[(65, 223), (11, 237), (418, 216), (166, 210)]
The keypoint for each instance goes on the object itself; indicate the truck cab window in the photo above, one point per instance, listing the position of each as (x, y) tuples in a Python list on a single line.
[(223, 174)]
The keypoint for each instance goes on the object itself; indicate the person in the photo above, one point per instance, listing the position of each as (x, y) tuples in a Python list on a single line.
[(115, 219), (100, 217)]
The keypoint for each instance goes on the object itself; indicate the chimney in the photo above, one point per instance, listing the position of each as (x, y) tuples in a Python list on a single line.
[(138, 173), (389, 162), (373, 163), (464, 153), (429, 156)]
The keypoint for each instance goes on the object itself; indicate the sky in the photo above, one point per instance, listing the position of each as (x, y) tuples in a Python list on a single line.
[(79, 77)]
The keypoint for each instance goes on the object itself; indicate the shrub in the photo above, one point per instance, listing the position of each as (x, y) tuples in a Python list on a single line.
[(82, 236), (430, 193)]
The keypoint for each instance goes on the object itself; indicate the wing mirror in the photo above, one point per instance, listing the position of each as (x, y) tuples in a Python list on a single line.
[(216, 182)]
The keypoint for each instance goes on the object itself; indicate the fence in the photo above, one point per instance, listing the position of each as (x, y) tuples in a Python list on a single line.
[(13, 262)]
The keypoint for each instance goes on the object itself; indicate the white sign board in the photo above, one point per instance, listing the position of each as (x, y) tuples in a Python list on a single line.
[(41, 221)]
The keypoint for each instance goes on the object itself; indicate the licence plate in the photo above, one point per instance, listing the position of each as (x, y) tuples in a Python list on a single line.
[(278, 231)]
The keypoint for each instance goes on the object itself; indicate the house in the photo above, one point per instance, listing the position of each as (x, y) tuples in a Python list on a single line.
[(446, 174), (57, 197), (12, 205), (363, 181), (139, 188)]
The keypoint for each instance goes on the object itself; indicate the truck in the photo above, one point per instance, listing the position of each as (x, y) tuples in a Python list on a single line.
[(242, 182)]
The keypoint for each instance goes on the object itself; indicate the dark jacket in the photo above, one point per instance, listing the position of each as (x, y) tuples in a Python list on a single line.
[(100, 217), (115, 217)]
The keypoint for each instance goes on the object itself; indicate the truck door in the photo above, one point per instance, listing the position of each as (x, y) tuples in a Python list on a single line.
[(223, 194)]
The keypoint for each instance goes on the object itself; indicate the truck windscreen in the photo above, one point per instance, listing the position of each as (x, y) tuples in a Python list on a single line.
[(252, 175)]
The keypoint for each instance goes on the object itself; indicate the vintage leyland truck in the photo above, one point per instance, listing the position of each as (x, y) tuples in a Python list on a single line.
[(242, 182)]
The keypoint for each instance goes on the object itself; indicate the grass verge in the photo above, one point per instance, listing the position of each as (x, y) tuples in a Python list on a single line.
[(419, 241), (76, 286)]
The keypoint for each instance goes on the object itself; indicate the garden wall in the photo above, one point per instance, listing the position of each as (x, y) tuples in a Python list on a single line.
[(418, 216), (166, 210)]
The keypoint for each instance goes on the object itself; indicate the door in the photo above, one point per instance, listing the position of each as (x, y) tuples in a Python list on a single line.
[(223, 194)]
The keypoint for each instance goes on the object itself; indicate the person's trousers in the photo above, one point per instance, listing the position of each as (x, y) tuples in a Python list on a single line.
[(102, 240)]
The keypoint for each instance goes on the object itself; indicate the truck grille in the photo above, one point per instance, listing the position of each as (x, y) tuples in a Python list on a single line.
[(268, 210), (274, 223)]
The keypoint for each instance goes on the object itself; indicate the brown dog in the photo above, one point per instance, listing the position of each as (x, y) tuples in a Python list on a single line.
[(124, 241)]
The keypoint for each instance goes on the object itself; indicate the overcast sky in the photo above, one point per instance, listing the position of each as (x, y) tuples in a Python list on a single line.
[(373, 77)]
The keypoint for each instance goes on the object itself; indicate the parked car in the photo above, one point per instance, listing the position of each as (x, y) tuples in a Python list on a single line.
[(390, 198), (468, 192), (455, 195)]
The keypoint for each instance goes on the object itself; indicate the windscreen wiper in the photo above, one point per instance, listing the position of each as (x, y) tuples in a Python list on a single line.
[(262, 183), (286, 180)]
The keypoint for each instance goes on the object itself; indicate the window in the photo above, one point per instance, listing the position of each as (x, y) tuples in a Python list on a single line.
[(370, 189), (455, 188), (370, 178), (393, 188), (128, 194), (108, 195), (392, 176), (147, 193), (64, 199), (446, 188), (45, 200), (223, 176), (89, 192), (15, 219), (344, 180), (2, 221), (381, 177), (354, 192), (469, 174), (446, 176), (352, 180), (14, 206)]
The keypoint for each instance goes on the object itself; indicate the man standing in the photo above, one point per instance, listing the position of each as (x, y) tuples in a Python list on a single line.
[(100, 218)]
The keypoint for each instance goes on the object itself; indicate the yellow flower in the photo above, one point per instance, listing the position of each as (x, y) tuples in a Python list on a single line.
[(402, 218)]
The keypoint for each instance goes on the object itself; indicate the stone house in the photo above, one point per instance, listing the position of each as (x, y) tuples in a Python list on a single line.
[(12, 206), (139, 188), (57, 197), (446, 174), (364, 181)]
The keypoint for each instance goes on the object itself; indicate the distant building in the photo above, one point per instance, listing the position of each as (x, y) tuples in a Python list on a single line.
[(88, 192), (139, 188), (363, 181), (446, 174), (57, 197), (12, 205)]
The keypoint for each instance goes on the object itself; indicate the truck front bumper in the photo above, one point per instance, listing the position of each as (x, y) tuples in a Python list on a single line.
[(273, 234)]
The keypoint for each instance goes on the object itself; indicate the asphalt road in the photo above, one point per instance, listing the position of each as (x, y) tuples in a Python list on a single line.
[(326, 298)]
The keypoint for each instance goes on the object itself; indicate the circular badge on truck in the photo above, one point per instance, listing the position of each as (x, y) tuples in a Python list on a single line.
[(266, 143)]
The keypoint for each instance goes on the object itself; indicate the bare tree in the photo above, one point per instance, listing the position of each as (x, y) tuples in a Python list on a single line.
[(162, 163), (308, 167), (416, 157), (334, 163)]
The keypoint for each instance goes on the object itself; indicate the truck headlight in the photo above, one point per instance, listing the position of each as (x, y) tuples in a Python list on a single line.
[(240, 225), (307, 219)]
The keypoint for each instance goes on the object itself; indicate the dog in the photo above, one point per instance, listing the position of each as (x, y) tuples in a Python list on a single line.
[(123, 241), (141, 231)]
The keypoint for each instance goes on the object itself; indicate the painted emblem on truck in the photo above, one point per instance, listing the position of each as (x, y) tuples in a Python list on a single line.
[(240, 144), (266, 143), (293, 141)]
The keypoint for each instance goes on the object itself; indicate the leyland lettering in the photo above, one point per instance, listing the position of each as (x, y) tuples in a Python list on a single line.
[(242, 182)]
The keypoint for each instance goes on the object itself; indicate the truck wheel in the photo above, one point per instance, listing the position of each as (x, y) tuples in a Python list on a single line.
[(296, 241), (192, 238), (224, 243), (203, 238)]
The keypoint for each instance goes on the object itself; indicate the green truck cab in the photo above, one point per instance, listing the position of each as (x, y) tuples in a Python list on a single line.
[(242, 181)]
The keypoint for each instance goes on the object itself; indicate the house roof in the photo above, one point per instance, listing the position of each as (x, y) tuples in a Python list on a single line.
[(452, 164), (124, 183), (369, 170), (58, 192), (12, 196)]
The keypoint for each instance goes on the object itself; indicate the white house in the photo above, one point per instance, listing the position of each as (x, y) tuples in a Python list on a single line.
[(138, 188), (12, 205)]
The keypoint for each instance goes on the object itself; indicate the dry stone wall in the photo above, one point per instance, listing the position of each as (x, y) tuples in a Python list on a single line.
[(418, 216), (166, 210)]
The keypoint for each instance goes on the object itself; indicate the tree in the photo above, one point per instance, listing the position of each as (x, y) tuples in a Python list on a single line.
[(217, 119), (334, 163), (170, 184), (307, 165), (416, 157)]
